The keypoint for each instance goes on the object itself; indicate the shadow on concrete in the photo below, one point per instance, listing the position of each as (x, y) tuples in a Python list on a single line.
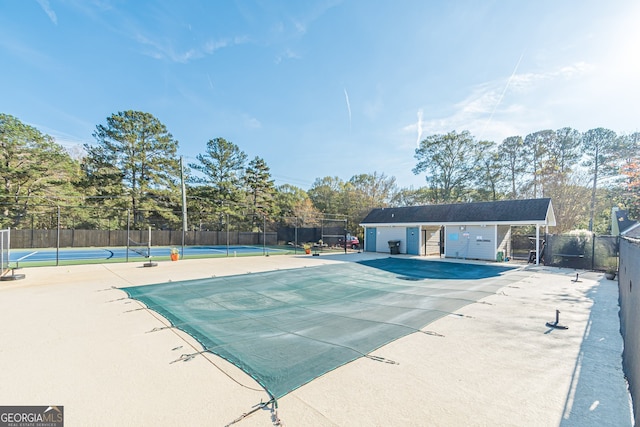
[(416, 269), (598, 395)]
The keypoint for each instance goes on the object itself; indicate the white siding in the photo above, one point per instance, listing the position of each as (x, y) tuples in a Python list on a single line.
[(384, 234), (480, 244), (471, 242)]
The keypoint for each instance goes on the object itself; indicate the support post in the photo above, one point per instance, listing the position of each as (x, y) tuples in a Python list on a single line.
[(184, 206), (345, 236), (537, 244)]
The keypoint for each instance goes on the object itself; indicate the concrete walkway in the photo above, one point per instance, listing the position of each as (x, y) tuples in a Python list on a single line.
[(70, 338)]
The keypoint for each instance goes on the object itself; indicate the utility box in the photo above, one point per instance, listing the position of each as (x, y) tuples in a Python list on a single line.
[(394, 247)]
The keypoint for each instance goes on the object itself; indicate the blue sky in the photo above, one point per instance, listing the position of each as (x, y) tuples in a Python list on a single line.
[(322, 88)]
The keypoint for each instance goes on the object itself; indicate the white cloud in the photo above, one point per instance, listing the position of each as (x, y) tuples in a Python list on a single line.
[(517, 105), (287, 54), (300, 27), (527, 81), (213, 45), (164, 49), (44, 4), (252, 123)]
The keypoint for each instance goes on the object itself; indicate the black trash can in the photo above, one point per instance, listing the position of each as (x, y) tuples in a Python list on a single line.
[(394, 247)]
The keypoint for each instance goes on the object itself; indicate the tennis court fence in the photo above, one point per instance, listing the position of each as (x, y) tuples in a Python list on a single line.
[(30, 238), (113, 238), (43, 226), (4, 251), (72, 238)]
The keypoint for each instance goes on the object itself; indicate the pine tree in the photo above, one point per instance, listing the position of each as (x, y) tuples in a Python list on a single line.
[(134, 166)]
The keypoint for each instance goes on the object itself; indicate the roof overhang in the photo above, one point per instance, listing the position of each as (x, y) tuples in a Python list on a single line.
[(630, 230), (449, 224), (511, 212)]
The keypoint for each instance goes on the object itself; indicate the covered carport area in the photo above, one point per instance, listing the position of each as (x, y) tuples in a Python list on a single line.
[(479, 230)]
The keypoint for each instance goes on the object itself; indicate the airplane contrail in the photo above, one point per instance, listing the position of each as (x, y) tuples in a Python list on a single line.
[(495, 107), (420, 113), (346, 97)]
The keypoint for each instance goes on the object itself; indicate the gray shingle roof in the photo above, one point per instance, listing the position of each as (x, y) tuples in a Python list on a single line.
[(633, 231), (534, 210), (624, 223)]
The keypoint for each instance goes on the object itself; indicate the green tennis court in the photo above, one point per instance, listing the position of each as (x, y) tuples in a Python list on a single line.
[(284, 328)]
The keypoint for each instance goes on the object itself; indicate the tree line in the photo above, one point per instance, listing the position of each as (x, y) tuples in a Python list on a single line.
[(134, 167), (585, 174)]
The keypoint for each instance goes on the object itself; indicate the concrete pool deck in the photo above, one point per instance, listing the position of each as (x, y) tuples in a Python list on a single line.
[(69, 338)]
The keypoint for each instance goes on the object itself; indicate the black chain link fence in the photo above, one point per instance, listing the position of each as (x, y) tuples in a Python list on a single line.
[(579, 251), (585, 251), (45, 226)]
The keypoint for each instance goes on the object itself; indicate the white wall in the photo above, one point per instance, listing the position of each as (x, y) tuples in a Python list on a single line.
[(384, 234), (472, 242), (482, 242)]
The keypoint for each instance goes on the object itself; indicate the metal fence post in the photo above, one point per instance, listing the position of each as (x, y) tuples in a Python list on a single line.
[(58, 238), (593, 250), (128, 234)]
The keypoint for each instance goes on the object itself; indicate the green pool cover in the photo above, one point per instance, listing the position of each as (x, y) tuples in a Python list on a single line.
[(284, 328)]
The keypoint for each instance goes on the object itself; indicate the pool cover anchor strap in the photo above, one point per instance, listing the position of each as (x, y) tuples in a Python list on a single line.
[(381, 359), (159, 329), (108, 289), (274, 412), (186, 357)]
